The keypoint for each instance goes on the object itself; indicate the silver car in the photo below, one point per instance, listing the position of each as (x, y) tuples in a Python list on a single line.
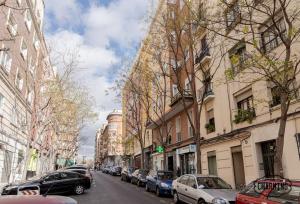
[(202, 189)]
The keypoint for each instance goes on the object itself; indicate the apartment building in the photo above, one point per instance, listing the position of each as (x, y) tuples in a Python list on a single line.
[(109, 142), (237, 148), (23, 61)]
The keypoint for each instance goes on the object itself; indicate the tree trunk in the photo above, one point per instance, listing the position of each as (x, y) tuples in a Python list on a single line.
[(278, 167), (165, 160), (198, 151), (142, 158)]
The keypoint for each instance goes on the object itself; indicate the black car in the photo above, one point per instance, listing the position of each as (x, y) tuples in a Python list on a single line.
[(139, 177), (54, 183), (84, 172), (126, 174), (116, 171), (77, 167)]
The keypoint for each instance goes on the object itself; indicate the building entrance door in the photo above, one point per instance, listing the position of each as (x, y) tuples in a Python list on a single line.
[(238, 167), (268, 152), (170, 164)]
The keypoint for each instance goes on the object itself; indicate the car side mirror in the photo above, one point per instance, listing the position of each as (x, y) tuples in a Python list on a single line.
[(195, 186)]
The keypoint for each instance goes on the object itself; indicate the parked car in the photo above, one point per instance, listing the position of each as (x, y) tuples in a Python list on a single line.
[(202, 189), (251, 194), (84, 172), (54, 183), (77, 167), (160, 182), (126, 174), (106, 169), (12, 199), (116, 171), (139, 177)]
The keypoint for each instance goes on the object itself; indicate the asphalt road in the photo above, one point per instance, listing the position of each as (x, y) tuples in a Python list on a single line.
[(107, 189)]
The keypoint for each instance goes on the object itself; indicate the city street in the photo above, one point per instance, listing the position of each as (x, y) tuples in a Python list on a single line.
[(109, 189)]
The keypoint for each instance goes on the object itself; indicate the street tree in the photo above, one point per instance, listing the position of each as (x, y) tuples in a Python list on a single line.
[(269, 32)]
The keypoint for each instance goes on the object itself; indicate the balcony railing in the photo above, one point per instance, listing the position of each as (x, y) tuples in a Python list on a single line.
[(206, 94), (186, 94), (244, 115), (203, 54)]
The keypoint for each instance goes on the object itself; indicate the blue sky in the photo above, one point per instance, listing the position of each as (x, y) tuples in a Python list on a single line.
[(105, 33)]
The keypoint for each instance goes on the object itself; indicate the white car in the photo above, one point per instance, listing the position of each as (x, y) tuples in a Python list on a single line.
[(201, 189)]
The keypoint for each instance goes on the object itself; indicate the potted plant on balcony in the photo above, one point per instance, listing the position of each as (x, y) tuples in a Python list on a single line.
[(244, 115), (210, 127)]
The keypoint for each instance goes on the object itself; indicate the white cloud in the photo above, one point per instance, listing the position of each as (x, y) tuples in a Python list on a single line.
[(63, 12), (121, 22)]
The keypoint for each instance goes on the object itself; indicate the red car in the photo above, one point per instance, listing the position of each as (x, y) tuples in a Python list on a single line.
[(36, 200), (270, 192)]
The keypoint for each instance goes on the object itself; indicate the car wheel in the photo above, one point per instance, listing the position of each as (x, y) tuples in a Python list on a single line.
[(131, 181), (157, 192), (79, 189), (122, 178), (176, 198), (201, 201), (138, 183)]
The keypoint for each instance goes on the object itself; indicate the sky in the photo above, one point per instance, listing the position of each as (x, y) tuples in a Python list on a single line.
[(105, 33)]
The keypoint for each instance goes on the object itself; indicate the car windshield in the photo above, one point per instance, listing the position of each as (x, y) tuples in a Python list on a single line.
[(292, 196), (212, 183), (143, 172), (164, 175)]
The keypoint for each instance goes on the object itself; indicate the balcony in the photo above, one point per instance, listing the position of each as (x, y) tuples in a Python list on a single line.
[(186, 95), (204, 56), (207, 95), (242, 115)]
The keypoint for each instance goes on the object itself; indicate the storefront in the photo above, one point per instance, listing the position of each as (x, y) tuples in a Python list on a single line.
[(171, 161), (186, 159), (158, 161), (147, 157), (137, 161)]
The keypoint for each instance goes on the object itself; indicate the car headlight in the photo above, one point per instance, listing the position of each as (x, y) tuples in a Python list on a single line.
[(218, 201), (164, 185)]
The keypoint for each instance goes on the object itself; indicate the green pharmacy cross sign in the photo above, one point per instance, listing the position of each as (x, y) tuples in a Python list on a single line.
[(160, 149)]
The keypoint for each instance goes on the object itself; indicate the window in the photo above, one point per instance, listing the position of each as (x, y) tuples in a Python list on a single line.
[(19, 2), (280, 196), (187, 84), (245, 104), (1, 104), (210, 125), (53, 177), (182, 3), (31, 66), (178, 129), (271, 37), (30, 97), (276, 93), (190, 128), (192, 182), (14, 115), (238, 57), (184, 180), (175, 89), (36, 42), (12, 24), (5, 61), (212, 163), (232, 15), (275, 96), (19, 81), (28, 19), (24, 49), (171, 1), (173, 37), (186, 54)]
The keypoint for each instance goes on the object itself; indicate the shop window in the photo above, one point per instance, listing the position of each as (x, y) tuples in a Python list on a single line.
[(212, 163), (272, 36)]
